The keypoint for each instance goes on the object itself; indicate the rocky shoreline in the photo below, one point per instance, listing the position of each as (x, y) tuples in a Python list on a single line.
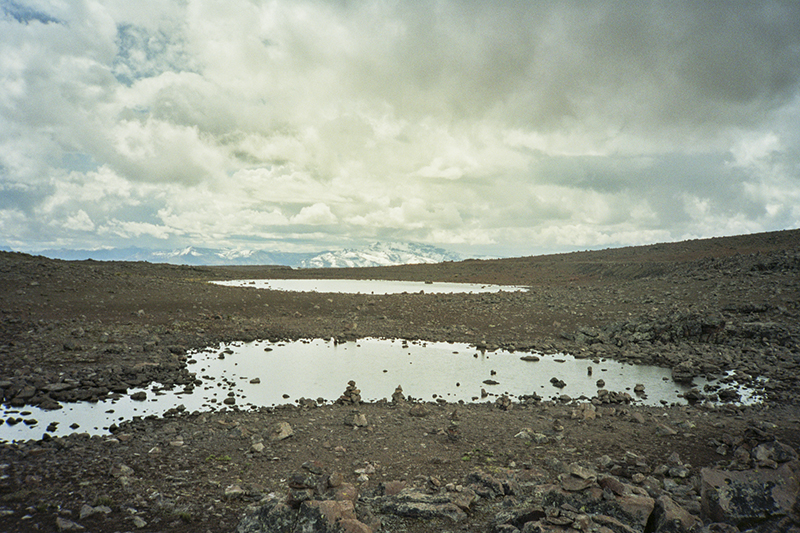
[(86, 331)]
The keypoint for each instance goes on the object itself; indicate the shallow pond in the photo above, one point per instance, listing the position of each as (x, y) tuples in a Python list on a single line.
[(261, 374), (367, 286)]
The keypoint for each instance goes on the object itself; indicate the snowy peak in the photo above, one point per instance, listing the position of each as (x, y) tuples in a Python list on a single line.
[(377, 254), (381, 254)]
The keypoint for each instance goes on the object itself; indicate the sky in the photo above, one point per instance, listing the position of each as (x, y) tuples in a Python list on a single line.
[(487, 128)]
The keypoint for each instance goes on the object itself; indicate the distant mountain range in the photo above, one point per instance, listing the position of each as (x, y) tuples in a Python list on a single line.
[(377, 254), (381, 254)]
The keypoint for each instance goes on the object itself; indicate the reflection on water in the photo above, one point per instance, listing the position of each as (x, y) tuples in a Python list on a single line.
[(266, 374), (366, 286)]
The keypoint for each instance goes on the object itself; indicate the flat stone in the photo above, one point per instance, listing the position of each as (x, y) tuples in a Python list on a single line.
[(575, 484), (415, 504)]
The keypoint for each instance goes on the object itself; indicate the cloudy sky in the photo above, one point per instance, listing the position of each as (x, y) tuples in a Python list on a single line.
[(488, 128)]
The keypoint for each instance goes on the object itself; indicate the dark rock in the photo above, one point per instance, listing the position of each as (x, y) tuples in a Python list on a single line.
[(742, 498), (272, 517), (773, 451), (669, 517)]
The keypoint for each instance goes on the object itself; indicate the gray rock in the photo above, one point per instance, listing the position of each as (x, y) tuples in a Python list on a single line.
[(743, 497), (280, 431)]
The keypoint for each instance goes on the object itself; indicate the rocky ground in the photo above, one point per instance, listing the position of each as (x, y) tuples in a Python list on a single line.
[(88, 330)]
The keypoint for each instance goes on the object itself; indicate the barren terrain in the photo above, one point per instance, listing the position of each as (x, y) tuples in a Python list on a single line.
[(87, 330)]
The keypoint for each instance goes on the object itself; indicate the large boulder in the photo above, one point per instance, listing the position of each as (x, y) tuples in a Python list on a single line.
[(743, 498)]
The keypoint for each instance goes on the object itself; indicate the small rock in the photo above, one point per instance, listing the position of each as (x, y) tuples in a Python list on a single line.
[(67, 525), (233, 492), (281, 431), (358, 420), (257, 447), (418, 410)]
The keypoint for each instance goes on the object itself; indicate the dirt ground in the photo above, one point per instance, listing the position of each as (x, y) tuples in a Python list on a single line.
[(714, 305)]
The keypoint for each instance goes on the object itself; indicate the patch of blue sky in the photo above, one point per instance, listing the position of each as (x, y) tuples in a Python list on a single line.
[(25, 14), (79, 162), (142, 53)]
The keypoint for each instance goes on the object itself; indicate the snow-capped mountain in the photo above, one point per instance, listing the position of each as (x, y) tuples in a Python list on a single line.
[(377, 254), (381, 254)]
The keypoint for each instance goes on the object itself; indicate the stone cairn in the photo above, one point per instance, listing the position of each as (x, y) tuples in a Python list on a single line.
[(398, 396), (351, 395)]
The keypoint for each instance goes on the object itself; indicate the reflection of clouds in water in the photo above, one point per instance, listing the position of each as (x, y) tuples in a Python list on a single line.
[(318, 368), (367, 286)]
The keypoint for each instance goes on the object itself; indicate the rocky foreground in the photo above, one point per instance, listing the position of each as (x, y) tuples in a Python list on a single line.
[(88, 331)]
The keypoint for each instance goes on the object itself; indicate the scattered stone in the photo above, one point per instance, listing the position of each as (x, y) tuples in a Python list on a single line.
[(139, 396), (504, 403), (530, 358)]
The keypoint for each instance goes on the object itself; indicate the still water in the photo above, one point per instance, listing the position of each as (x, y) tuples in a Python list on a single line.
[(262, 374), (367, 286)]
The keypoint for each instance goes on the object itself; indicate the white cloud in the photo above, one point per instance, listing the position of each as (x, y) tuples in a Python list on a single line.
[(80, 221), (314, 215)]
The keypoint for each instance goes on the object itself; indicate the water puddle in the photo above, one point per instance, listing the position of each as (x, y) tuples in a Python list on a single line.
[(263, 374), (367, 286)]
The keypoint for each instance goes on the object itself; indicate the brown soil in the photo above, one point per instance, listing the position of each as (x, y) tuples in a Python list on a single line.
[(61, 318)]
